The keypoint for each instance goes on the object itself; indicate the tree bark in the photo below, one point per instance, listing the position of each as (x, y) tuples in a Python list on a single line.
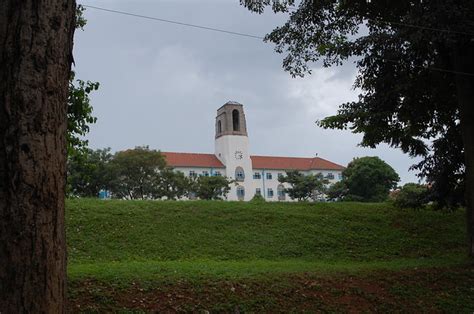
[(35, 59), (464, 62)]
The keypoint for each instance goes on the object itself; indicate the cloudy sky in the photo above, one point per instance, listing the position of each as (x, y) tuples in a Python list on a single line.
[(161, 83)]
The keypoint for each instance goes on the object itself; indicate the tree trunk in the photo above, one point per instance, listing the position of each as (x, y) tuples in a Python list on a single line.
[(35, 60), (464, 62)]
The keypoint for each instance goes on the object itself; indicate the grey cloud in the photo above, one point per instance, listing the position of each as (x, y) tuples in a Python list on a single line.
[(161, 84)]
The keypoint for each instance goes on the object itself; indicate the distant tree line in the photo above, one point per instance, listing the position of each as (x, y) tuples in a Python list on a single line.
[(139, 173), (142, 173)]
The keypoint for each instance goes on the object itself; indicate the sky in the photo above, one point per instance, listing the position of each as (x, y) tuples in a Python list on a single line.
[(161, 83)]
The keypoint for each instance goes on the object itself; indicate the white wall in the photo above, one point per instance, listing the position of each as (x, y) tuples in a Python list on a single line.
[(199, 170), (273, 183), (229, 149), (250, 184)]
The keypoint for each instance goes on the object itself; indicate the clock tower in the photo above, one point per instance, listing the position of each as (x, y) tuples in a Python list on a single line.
[(232, 149)]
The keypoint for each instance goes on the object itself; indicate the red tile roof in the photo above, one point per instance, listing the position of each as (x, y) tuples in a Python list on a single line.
[(192, 160), (258, 162), (293, 163)]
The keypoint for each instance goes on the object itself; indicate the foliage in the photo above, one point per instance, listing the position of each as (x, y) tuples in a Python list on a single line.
[(444, 169), (368, 179), (171, 184), (337, 191), (139, 173), (411, 195), (211, 188), (88, 172), (80, 19), (79, 113), (79, 109), (422, 104), (136, 173), (303, 187), (258, 198)]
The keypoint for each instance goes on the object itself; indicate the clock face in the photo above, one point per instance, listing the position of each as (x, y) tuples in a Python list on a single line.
[(239, 155)]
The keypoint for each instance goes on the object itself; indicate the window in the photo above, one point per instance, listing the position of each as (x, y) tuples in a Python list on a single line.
[(217, 173), (281, 192), (239, 174), (192, 173), (205, 173), (257, 175), (269, 176), (258, 191), (219, 126), (339, 176), (280, 175), (235, 120), (240, 192), (270, 192), (330, 176)]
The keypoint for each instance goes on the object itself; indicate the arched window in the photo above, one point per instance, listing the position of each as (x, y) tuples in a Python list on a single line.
[(281, 192), (219, 127), (235, 120), (239, 174), (240, 193)]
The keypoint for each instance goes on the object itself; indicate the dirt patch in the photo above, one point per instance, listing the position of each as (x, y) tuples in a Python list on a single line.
[(427, 290)]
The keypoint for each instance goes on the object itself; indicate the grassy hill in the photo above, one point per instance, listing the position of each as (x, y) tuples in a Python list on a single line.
[(148, 256), (124, 240)]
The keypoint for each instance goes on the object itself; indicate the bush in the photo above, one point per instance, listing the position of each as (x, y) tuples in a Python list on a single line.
[(257, 199), (411, 195)]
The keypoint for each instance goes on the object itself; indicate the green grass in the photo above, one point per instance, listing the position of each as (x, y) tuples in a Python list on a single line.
[(150, 240)]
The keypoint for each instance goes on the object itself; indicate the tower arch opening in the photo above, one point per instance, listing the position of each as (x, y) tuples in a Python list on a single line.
[(236, 120)]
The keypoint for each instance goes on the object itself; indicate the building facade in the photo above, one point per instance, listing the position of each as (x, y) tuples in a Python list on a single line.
[(253, 174)]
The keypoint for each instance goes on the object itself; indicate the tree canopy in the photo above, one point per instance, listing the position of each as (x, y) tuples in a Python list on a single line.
[(211, 188), (368, 179), (89, 172), (136, 173), (303, 187)]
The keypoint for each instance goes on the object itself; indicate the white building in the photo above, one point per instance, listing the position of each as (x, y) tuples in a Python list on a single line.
[(254, 174)]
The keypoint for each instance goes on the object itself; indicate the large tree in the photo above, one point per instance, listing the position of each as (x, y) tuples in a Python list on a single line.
[(368, 179), (135, 173), (36, 39), (415, 72), (88, 172)]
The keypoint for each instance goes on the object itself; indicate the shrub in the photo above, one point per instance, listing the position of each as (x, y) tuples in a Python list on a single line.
[(257, 199), (411, 195)]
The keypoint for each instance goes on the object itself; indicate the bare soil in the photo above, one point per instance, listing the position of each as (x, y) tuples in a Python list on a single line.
[(432, 290)]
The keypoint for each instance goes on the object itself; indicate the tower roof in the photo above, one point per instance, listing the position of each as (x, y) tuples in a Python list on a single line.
[(233, 102)]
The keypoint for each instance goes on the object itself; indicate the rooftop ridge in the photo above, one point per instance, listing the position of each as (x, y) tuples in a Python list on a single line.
[(167, 152), (282, 156)]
